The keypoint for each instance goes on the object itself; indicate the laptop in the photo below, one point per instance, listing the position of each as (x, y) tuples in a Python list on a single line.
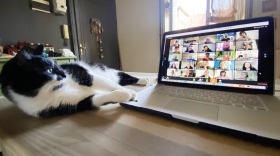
[(220, 74)]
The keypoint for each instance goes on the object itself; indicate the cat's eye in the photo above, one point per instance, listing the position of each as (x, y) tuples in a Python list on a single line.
[(50, 70)]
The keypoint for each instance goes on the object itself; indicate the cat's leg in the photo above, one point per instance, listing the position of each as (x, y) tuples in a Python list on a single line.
[(101, 83), (126, 79), (80, 73), (88, 103)]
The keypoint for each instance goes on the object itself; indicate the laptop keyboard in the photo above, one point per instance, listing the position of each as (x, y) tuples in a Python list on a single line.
[(216, 97)]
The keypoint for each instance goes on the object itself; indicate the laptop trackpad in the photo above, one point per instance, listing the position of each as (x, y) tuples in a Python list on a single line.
[(194, 109)]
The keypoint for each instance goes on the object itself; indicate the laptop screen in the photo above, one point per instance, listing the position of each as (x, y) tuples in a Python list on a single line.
[(230, 56)]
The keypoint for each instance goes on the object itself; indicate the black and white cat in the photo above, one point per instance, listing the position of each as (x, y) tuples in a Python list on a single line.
[(42, 88)]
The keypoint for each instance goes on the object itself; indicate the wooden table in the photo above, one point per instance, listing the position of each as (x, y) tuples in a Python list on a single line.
[(115, 131)]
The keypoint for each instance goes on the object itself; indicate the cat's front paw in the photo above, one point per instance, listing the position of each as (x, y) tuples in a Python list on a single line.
[(121, 96), (143, 82), (132, 92)]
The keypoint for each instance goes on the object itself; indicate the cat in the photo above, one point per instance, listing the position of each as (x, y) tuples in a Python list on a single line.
[(41, 88)]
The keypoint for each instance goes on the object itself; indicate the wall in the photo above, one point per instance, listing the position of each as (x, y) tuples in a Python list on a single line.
[(19, 22), (138, 34), (257, 12)]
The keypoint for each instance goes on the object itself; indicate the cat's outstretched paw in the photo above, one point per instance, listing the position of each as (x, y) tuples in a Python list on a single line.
[(143, 82), (132, 92), (121, 96)]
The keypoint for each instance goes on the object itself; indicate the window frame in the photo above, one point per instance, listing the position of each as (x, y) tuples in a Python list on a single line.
[(162, 5)]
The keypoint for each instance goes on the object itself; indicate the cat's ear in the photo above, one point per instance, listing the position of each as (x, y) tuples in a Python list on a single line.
[(23, 56), (39, 50)]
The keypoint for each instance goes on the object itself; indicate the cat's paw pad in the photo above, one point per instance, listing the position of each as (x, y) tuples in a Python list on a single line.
[(143, 82), (121, 96)]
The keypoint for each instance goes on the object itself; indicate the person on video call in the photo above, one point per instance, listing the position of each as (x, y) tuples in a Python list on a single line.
[(222, 76), (206, 75), (189, 74), (175, 58), (226, 38), (176, 50), (206, 49), (173, 66), (188, 66), (189, 49), (244, 76), (172, 73), (226, 58), (207, 57), (226, 46), (191, 58), (248, 66), (243, 36), (247, 46), (222, 65), (205, 65), (176, 43), (208, 41), (243, 57)]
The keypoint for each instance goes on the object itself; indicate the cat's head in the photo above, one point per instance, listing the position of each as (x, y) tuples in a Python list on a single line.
[(28, 71)]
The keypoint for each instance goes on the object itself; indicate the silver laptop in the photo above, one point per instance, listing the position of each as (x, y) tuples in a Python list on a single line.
[(221, 74)]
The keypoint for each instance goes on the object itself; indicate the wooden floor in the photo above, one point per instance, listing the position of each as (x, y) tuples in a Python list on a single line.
[(114, 130)]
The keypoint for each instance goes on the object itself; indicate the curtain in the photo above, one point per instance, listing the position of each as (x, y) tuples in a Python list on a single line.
[(223, 10), (241, 10)]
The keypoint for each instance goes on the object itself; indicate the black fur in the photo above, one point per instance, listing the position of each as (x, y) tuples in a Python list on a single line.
[(57, 87), (67, 109), (26, 73), (79, 74), (126, 79)]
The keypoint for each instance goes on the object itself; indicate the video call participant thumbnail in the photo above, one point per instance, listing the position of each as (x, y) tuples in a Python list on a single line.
[(176, 50), (224, 65), (174, 65), (226, 37), (205, 65), (210, 39), (224, 75), (188, 65), (225, 55), (188, 48), (207, 74), (206, 48), (206, 56), (247, 55), (246, 75), (247, 35), (176, 43), (175, 57), (246, 65), (189, 57), (191, 40), (188, 73), (225, 46), (247, 45), (173, 72)]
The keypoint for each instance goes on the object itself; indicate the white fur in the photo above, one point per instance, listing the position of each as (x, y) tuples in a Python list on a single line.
[(72, 93), (143, 82)]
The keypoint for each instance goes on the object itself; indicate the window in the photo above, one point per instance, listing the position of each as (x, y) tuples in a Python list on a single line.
[(183, 14)]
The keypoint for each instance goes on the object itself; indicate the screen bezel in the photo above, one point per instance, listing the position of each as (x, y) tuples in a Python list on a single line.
[(269, 61)]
